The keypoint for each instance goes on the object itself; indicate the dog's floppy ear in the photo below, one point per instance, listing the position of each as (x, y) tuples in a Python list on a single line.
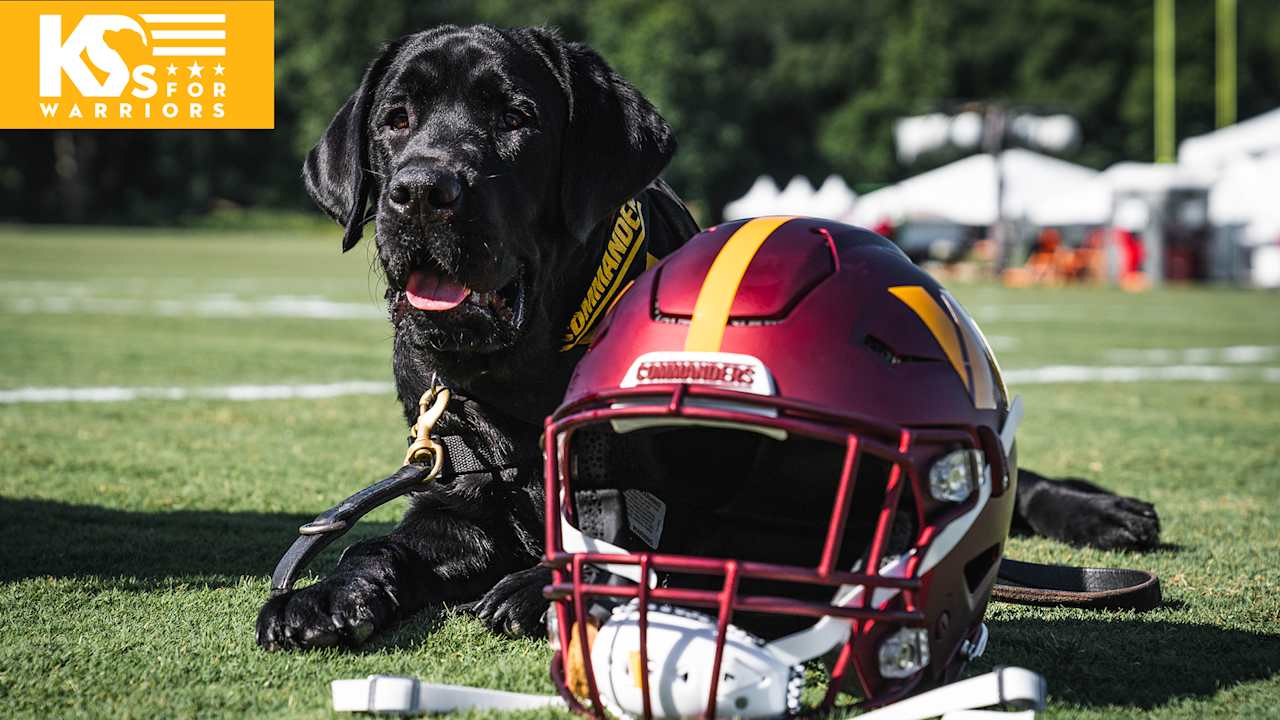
[(615, 142), (336, 171)]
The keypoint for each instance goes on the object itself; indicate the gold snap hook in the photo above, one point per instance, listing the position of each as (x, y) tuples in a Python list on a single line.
[(424, 449)]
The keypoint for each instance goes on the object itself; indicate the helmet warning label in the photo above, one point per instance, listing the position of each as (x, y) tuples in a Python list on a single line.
[(646, 515)]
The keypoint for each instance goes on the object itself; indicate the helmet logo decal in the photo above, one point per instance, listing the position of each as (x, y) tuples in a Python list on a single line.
[(938, 322), (727, 370), (715, 299), (625, 243)]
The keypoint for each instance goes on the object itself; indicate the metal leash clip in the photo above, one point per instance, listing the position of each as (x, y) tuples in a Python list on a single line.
[(424, 449)]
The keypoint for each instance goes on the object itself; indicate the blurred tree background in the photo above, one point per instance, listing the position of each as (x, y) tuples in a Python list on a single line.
[(800, 87)]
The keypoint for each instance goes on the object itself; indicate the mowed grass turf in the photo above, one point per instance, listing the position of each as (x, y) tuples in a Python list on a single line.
[(136, 538)]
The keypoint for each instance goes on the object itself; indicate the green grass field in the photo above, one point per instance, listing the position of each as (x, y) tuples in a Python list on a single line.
[(136, 537)]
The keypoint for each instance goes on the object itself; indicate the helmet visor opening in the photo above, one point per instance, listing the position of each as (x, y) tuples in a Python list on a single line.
[(728, 493)]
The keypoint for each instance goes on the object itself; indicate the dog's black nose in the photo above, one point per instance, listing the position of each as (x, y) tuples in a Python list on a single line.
[(429, 191)]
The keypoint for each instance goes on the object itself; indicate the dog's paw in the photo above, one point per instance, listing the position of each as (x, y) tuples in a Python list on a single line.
[(1114, 522), (337, 611), (515, 606)]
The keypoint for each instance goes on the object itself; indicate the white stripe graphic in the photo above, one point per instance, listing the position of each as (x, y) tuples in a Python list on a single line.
[(189, 52), (184, 18), (189, 34), (213, 392)]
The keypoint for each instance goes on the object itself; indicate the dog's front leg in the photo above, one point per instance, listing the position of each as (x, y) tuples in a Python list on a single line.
[(443, 551), (1081, 513)]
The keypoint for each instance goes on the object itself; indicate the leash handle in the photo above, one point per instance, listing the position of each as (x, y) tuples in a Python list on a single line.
[(1027, 583), (337, 520)]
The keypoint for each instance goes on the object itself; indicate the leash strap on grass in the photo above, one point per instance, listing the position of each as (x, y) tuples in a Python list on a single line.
[(1026, 583)]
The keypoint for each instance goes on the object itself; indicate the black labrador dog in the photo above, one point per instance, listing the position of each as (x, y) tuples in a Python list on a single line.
[(502, 168)]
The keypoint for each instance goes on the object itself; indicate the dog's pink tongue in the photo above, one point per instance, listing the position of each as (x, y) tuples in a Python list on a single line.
[(428, 291)]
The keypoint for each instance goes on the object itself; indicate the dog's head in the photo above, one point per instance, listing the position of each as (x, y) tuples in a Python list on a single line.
[(486, 157)]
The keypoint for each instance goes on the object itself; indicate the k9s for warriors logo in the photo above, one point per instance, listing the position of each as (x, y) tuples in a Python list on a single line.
[(137, 65)]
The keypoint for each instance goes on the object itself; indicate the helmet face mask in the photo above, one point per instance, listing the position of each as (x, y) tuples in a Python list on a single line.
[(771, 529)]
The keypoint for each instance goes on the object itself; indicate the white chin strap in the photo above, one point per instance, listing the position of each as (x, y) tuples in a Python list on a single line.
[(396, 695), (961, 700)]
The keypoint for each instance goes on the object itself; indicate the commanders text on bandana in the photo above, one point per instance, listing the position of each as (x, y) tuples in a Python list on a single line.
[(626, 241), (112, 64)]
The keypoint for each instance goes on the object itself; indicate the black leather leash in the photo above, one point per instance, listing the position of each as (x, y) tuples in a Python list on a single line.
[(430, 458), (337, 520), (461, 458), (1027, 583)]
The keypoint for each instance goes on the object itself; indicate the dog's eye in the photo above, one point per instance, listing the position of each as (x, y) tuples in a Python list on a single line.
[(397, 119), (513, 119)]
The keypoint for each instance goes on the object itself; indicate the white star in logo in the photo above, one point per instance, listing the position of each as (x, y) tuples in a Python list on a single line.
[(173, 69), (194, 68), (217, 69)]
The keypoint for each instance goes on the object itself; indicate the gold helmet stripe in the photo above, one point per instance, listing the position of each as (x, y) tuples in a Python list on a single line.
[(938, 322), (715, 299)]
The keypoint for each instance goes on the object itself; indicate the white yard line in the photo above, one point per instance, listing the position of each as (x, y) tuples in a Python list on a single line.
[(1028, 376), (212, 392), (1138, 373), (1231, 355), (211, 306)]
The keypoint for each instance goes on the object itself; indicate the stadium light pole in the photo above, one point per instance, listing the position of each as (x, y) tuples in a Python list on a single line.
[(1226, 64), (1164, 82)]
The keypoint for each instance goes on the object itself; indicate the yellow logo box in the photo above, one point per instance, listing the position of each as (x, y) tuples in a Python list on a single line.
[(104, 64)]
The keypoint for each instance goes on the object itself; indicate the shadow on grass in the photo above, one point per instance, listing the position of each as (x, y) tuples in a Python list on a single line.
[(1132, 662), (145, 550)]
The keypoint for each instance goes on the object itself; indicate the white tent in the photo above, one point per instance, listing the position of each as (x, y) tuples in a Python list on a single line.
[(1155, 177), (759, 200), (795, 197), (1092, 202), (1213, 151), (832, 200), (1245, 194), (965, 191), (1088, 203)]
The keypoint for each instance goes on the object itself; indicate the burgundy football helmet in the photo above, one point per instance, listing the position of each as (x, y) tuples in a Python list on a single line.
[(786, 442)]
